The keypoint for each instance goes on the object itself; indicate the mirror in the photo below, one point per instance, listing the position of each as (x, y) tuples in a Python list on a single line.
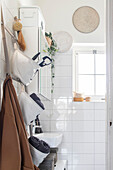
[(45, 72)]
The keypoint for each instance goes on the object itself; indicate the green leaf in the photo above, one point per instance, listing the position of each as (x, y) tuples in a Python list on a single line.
[(45, 51), (46, 34)]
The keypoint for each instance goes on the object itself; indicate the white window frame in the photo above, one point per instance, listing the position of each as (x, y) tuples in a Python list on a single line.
[(75, 70)]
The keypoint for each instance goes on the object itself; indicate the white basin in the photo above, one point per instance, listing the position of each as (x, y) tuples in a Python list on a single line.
[(53, 139)]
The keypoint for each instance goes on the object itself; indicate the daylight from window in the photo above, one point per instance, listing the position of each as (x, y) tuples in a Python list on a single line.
[(90, 73)]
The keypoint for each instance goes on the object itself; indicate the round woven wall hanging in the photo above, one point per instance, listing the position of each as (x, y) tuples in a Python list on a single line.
[(64, 41), (86, 19)]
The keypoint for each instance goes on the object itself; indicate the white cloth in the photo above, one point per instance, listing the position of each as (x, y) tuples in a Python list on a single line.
[(30, 109), (37, 156), (23, 67)]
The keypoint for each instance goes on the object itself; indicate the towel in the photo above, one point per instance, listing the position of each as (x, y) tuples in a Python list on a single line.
[(37, 100), (29, 108), (39, 144), (21, 41), (14, 146), (23, 67)]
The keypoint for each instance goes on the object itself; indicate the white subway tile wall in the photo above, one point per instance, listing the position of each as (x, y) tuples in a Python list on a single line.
[(83, 125)]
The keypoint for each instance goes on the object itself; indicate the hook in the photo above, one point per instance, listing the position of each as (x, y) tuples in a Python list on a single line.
[(7, 74), (36, 56), (43, 63)]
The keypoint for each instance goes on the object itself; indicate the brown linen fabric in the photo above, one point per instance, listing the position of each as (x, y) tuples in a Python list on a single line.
[(21, 41), (14, 147)]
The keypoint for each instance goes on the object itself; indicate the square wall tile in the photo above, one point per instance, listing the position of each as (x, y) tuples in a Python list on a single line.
[(83, 167), (65, 148), (63, 71), (99, 167), (68, 126), (62, 92), (83, 159), (63, 60), (69, 115), (70, 103), (100, 137), (83, 137), (100, 126), (83, 115), (57, 126), (67, 157), (60, 104), (45, 115), (84, 126), (100, 159), (67, 137), (63, 82), (100, 115), (83, 105), (100, 105), (59, 114), (70, 167), (83, 148), (100, 148), (46, 125)]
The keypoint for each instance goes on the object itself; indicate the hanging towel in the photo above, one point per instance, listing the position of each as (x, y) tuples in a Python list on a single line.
[(29, 108), (39, 144), (37, 100), (21, 41), (23, 67), (14, 146), (39, 150)]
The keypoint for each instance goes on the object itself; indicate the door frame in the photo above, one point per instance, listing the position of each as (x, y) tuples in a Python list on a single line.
[(109, 83)]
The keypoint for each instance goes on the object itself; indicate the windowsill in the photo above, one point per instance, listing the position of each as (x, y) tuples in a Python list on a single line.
[(92, 101)]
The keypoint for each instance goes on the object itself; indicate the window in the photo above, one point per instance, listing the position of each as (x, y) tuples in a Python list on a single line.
[(90, 73)]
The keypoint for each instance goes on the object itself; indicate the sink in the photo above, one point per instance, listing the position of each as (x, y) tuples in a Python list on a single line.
[(53, 139)]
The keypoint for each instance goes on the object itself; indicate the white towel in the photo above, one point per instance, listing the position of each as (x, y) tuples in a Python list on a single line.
[(30, 109), (37, 156), (23, 67)]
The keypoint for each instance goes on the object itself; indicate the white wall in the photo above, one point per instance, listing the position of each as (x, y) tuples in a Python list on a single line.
[(83, 124), (58, 16), (10, 9)]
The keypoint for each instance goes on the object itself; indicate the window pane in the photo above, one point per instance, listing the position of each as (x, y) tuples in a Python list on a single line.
[(100, 85), (100, 64), (85, 84), (85, 63)]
